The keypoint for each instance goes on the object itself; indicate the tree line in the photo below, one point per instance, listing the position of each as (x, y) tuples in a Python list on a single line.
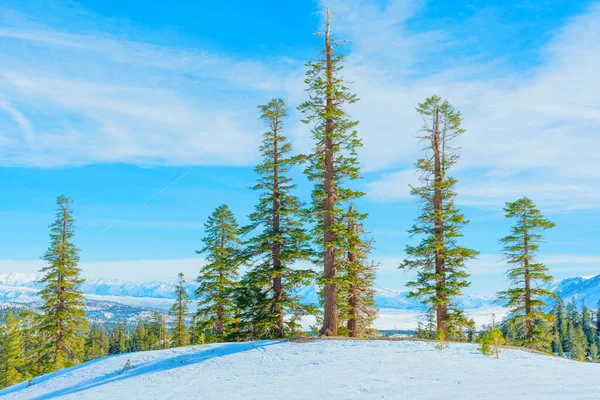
[(282, 233)]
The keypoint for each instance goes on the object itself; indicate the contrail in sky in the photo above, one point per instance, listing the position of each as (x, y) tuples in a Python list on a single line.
[(165, 188), (155, 195)]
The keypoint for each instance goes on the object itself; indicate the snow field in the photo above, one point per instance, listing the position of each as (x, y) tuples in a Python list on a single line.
[(335, 369)]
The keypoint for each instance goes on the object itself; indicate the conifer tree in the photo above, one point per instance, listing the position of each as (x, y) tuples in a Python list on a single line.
[(357, 279), (332, 163), (29, 323), (97, 344), (270, 287), (525, 298), (438, 258), (593, 355), (560, 328), (12, 350), (492, 341), (179, 310), (119, 340), (217, 280), (63, 323)]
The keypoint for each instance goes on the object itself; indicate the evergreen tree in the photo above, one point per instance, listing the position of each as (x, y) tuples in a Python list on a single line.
[(523, 298), (179, 334), (269, 289), (331, 165), (586, 323), (578, 345), (32, 340), (98, 343), (593, 355), (63, 323), (491, 342), (12, 361), (438, 259), (560, 328), (217, 280), (598, 319), (119, 340), (357, 279)]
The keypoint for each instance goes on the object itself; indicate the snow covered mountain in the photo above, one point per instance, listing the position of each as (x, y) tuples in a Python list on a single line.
[(586, 289), (21, 287), (321, 369)]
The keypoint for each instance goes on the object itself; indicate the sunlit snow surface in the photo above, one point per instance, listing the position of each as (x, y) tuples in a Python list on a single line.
[(320, 369)]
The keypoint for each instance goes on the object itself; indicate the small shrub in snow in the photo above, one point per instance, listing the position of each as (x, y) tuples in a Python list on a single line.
[(491, 341)]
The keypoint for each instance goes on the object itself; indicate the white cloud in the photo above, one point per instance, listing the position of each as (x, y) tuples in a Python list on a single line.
[(89, 98), (101, 98), (528, 131), (128, 270)]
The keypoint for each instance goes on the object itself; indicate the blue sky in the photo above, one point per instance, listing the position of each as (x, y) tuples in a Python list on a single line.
[(144, 113)]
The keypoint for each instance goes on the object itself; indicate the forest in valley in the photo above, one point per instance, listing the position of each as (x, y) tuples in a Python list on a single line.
[(332, 233)]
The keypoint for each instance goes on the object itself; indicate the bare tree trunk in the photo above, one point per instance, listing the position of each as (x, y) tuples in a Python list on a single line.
[(528, 322), (276, 250), (330, 309), (220, 310), (441, 307), (353, 290)]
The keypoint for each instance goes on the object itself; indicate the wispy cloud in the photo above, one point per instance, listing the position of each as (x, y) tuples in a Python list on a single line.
[(72, 98), (528, 131)]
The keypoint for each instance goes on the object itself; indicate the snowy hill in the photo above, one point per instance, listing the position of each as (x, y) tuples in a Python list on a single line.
[(321, 369)]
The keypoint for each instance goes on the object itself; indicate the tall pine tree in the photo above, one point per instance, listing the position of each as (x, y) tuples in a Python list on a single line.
[(63, 323), (179, 310), (438, 258), (332, 163), (269, 289), (525, 298), (218, 279)]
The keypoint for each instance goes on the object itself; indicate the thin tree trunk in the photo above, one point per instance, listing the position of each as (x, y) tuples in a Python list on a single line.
[(353, 290), (330, 309), (220, 311), (276, 250), (441, 307), (528, 321)]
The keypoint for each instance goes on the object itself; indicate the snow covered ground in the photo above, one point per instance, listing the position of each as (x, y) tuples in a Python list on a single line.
[(320, 369)]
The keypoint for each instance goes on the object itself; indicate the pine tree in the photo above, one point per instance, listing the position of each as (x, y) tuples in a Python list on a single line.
[(523, 298), (357, 279), (119, 340), (598, 319), (492, 341), (179, 310), (331, 165), (438, 259), (217, 280), (63, 323), (586, 323), (98, 343), (12, 350), (270, 287), (29, 323), (579, 344), (560, 328), (593, 355)]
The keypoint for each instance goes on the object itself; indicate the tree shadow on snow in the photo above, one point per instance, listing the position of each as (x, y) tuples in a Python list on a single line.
[(158, 365)]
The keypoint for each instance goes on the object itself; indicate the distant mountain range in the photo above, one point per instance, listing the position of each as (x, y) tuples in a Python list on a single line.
[(22, 288), (586, 289)]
